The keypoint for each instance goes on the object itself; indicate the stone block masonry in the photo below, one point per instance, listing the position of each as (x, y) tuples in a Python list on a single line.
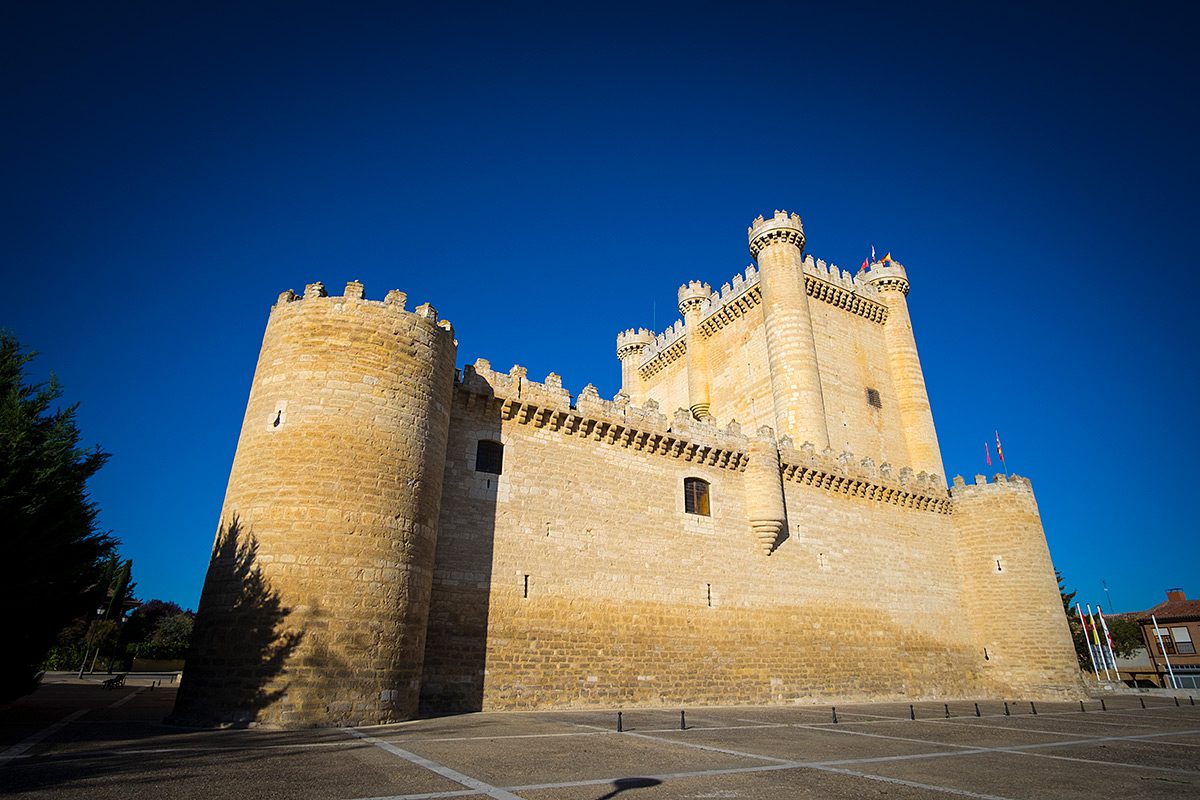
[(412, 537)]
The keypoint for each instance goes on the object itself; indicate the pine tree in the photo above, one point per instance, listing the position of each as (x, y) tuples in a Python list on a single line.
[(54, 554)]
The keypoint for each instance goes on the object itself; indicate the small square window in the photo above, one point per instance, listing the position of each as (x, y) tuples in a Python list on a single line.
[(873, 398), (695, 496), (489, 457)]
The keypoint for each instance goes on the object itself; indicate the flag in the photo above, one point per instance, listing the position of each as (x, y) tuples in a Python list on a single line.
[(999, 452), (863, 268), (872, 252), (987, 454), (887, 258)]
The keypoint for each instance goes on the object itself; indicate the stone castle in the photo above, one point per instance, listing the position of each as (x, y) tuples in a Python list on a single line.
[(757, 517)]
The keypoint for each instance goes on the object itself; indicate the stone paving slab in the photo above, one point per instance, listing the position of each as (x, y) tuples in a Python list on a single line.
[(1033, 777)]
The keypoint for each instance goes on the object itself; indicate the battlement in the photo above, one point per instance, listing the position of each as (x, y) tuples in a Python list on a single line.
[(694, 294), (782, 227), (393, 302), (885, 275), (633, 341), (1000, 483)]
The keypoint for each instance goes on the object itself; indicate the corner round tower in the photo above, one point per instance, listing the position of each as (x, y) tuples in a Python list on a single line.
[(693, 300), (631, 349), (316, 600)]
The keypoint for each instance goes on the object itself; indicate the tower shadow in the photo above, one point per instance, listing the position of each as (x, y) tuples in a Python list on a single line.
[(239, 645)]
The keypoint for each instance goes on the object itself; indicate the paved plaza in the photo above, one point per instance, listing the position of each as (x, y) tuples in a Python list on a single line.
[(78, 740)]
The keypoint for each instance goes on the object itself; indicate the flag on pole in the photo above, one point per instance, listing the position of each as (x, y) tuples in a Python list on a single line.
[(987, 453), (1091, 651), (887, 258), (872, 252), (863, 268), (999, 451)]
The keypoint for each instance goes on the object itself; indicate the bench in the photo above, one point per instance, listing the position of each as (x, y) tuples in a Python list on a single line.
[(115, 681)]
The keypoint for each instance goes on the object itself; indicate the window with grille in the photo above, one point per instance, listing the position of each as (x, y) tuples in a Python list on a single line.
[(489, 457), (873, 398), (695, 496), (1164, 642), (1183, 641)]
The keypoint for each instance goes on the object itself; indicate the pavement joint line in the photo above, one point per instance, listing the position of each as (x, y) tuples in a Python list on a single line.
[(713, 749), (127, 698), (913, 784), (20, 747), (1175, 770), (1035, 731), (480, 787)]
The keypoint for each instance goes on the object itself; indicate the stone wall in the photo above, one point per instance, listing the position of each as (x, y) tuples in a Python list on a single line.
[(314, 607), (576, 578)]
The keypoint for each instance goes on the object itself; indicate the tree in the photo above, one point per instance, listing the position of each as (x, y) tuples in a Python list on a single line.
[(1126, 635), (145, 619), (1077, 634), (54, 553)]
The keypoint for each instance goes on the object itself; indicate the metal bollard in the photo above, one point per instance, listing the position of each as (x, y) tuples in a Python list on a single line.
[(620, 727), (1142, 700), (1006, 708), (1082, 710), (947, 707), (977, 709), (682, 722), (1191, 700), (834, 713), (1176, 699), (911, 713), (1102, 706), (1033, 708)]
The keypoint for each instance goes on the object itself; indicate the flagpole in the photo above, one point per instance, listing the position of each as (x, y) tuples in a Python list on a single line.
[(1158, 634), (1096, 639), (1108, 641), (1091, 653)]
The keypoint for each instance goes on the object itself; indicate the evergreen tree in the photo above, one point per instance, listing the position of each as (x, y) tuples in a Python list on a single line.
[(54, 553)]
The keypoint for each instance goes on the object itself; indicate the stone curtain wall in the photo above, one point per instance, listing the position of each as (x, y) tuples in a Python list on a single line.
[(575, 578), (317, 613)]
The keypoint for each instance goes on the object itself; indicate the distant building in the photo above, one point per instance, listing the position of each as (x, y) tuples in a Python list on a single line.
[(1175, 639)]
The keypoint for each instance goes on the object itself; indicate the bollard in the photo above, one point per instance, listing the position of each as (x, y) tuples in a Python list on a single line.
[(1006, 708), (1033, 708), (1176, 699), (1082, 710), (1102, 706), (620, 727), (911, 713), (835, 713), (682, 722), (977, 709), (947, 707), (1142, 700), (1191, 700)]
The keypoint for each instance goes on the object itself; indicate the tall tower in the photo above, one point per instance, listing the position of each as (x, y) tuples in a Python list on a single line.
[(778, 245), (316, 614), (916, 416), (693, 297)]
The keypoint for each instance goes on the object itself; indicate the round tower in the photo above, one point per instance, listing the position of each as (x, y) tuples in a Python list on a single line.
[(916, 416), (316, 600), (693, 299), (764, 491), (778, 245), (631, 350)]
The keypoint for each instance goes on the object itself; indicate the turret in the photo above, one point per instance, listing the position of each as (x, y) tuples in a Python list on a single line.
[(778, 245), (693, 299), (764, 491), (631, 350), (315, 604), (916, 416)]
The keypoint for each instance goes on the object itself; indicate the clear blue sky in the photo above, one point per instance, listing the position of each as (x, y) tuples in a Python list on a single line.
[(547, 177)]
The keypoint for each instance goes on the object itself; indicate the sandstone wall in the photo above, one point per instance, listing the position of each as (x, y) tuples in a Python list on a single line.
[(1012, 598), (316, 612), (575, 578)]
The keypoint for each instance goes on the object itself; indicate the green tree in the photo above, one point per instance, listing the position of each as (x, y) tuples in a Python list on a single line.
[(54, 553), (1077, 633), (1126, 635)]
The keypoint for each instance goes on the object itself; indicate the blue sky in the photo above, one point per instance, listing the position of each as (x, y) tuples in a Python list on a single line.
[(547, 176)]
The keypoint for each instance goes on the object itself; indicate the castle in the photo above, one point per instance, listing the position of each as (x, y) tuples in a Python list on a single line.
[(757, 517)]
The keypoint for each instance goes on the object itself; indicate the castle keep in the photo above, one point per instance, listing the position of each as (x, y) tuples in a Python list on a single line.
[(759, 516)]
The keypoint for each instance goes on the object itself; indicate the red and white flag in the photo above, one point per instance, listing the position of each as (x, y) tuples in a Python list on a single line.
[(999, 451), (987, 453), (863, 268)]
